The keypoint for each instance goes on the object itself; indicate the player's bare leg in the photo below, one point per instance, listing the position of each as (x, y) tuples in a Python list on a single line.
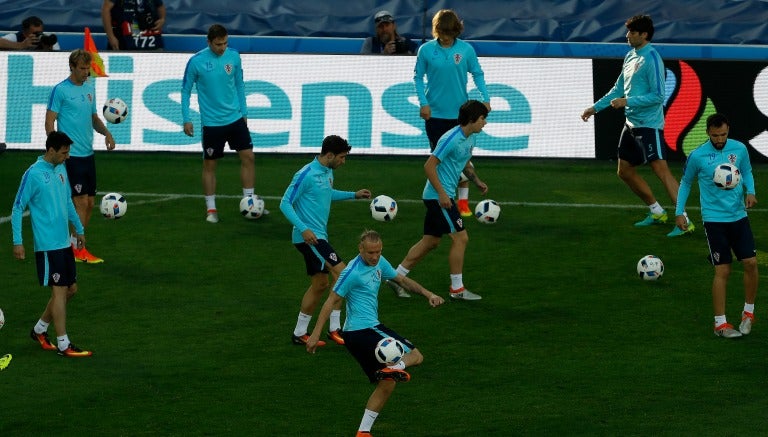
[(419, 250), (671, 184), (247, 168), (628, 173)]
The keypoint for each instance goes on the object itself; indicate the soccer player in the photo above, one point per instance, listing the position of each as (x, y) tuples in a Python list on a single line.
[(443, 167), (46, 191), (359, 285), (72, 110), (724, 213), (446, 61), (639, 90), (307, 205), (217, 71)]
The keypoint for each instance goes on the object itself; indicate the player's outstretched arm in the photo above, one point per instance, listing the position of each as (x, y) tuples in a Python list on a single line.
[(411, 285), (322, 319)]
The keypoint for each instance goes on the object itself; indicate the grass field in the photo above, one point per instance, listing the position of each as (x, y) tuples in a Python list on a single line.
[(190, 322)]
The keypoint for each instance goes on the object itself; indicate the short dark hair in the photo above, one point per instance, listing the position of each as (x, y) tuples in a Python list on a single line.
[(717, 120), (471, 111), (216, 31), (334, 144), (31, 21), (641, 23), (56, 140)]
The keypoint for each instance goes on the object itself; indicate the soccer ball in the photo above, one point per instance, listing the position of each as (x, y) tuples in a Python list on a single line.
[(727, 176), (487, 211), (383, 208), (113, 206), (2, 318), (251, 207), (650, 268), (115, 110), (389, 351)]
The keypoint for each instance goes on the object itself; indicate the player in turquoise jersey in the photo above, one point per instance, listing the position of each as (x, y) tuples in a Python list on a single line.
[(307, 205), (359, 284), (217, 72), (639, 90), (72, 110), (450, 157), (724, 213), (45, 190), (446, 61)]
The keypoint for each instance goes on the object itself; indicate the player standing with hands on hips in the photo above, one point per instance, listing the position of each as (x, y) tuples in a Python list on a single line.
[(359, 284), (72, 110), (639, 90), (446, 61), (724, 213), (217, 71)]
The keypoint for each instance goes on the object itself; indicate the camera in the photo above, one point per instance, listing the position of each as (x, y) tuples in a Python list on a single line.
[(401, 47), (46, 41)]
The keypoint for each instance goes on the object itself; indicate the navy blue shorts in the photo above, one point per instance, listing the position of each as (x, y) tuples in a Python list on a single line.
[(641, 145), (439, 221), (316, 257), (724, 237), (56, 267), (81, 172), (436, 127), (236, 134), (362, 344)]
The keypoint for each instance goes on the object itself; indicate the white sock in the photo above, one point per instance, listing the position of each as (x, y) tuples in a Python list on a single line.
[(463, 193), (400, 365), (402, 270), (302, 324), (368, 418), (62, 342), (334, 323), (719, 320), (656, 208), (41, 327), (457, 281), (749, 308), (247, 192), (210, 202), (73, 240)]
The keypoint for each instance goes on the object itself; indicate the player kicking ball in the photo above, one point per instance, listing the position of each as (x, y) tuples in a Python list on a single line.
[(359, 284)]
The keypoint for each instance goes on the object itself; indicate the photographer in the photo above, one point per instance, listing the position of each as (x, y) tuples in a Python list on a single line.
[(387, 41), (31, 37), (133, 24)]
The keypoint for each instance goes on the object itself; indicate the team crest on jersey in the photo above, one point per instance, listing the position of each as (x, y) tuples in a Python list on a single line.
[(378, 275), (333, 257), (228, 68), (55, 278), (457, 58), (460, 222), (732, 158), (209, 151), (716, 256), (78, 188)]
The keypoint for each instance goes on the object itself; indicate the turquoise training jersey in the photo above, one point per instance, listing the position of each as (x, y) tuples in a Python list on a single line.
[(453, 150), (642, 82), (717, 205), (446, 70), (45, 190), (220, 87), (75, 106), (359, 284), (307, 200)]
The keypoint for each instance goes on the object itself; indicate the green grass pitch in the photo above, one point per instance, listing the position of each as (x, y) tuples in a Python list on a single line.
[(190, 322)]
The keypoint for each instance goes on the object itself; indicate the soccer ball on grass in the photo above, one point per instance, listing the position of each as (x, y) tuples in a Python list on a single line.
[(487, 211), (252, 207), (650, 268), (726, 176), (383, 208), (389, 351), (113, 206), (115, 110)]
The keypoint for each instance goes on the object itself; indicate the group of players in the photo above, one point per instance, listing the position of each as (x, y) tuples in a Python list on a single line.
[(57, 196)]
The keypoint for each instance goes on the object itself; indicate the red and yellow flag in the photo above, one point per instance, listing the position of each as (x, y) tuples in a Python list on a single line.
[(97, 65)]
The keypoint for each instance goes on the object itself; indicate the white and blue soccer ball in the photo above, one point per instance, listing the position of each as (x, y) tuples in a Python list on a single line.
[(726, 176), (488, 211), (389, 351), (113, 206), (115, 110), (383, 208), (252, 207), (650, 268)]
